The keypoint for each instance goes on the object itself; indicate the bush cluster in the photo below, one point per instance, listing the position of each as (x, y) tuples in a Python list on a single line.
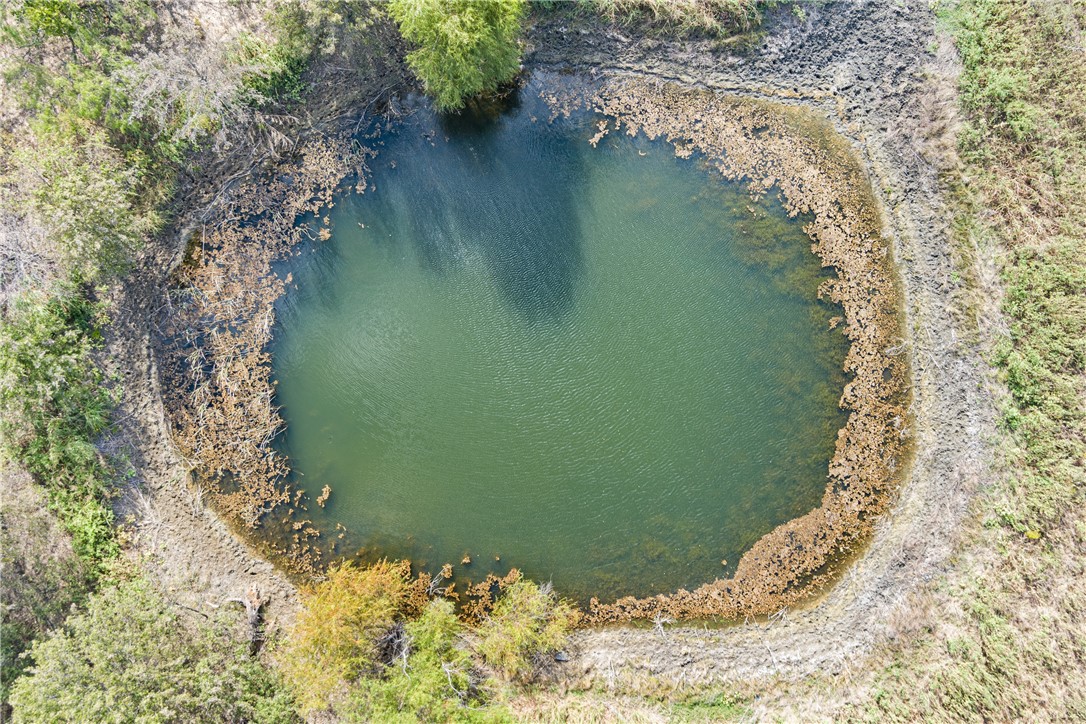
[(361, 649), (53, 406), (130, 656)]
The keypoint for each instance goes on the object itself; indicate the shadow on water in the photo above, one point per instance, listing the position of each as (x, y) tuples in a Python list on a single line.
[(483, 189)]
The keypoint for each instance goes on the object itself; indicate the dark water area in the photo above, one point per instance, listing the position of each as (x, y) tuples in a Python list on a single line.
[(604, 366)]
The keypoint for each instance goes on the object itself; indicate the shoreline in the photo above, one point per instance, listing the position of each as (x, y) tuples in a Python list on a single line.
[(217, 360)]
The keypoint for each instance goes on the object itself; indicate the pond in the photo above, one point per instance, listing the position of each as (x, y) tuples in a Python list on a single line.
[(598, 363)]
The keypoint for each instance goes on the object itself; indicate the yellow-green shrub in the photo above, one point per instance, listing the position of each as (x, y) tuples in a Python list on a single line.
[(336, 636), (432, 681), (527, 622)]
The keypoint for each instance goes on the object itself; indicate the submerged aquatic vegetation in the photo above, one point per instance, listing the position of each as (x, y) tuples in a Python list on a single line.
[(222, 403)]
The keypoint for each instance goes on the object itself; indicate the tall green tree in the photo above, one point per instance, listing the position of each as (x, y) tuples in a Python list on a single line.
[(464, 47), (130, 657)]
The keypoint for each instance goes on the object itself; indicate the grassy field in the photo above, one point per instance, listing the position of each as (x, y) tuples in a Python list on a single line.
[(1009, 637)]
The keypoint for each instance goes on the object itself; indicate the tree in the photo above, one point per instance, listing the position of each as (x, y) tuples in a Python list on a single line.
[(337, 636), (464, 47), (430, 680), (527, 622), (130, 657)]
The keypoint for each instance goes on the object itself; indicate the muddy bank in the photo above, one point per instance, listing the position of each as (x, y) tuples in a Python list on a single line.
[(198, 559)]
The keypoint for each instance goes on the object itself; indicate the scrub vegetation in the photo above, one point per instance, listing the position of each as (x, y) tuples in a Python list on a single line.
[(102, 117), (370, 645)]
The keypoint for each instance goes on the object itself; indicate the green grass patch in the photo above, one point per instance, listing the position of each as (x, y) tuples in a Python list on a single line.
[(1012, 643)]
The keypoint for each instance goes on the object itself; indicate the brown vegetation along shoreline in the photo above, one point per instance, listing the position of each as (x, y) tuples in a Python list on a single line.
[(221, 391), (217, 376), (794, 150)]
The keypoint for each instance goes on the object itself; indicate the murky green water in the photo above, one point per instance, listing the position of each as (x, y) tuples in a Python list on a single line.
[(603, 365)]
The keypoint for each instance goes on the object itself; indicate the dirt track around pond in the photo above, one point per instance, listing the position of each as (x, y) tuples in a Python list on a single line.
[(862, 65)]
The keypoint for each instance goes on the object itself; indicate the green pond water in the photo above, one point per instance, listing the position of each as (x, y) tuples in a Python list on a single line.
[(604, 366)]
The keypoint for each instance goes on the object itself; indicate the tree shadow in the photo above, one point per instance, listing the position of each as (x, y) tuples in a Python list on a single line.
[(491, 185)]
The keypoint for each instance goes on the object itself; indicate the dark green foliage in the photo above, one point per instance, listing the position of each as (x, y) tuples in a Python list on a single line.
[(283, 62), (463, 48), (53, 406), (282, 68), (131, 657)]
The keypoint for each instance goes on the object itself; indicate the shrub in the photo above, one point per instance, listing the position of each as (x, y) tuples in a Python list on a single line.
[(53, 406), (430, 680), (527, 623), (89, 196), (277, 68), (465, 48), (42, 577), (337, 636), (130, 657)]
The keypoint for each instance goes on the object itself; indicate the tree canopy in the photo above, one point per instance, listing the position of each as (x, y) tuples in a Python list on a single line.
[(464, 47), (131, 657)]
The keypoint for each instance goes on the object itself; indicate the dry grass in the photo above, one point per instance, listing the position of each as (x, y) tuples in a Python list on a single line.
[(712, 17), (1008, 634)]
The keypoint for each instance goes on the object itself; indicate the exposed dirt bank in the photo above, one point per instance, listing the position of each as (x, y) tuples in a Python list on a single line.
[(868, 68), (859, 64), (198, 560)]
